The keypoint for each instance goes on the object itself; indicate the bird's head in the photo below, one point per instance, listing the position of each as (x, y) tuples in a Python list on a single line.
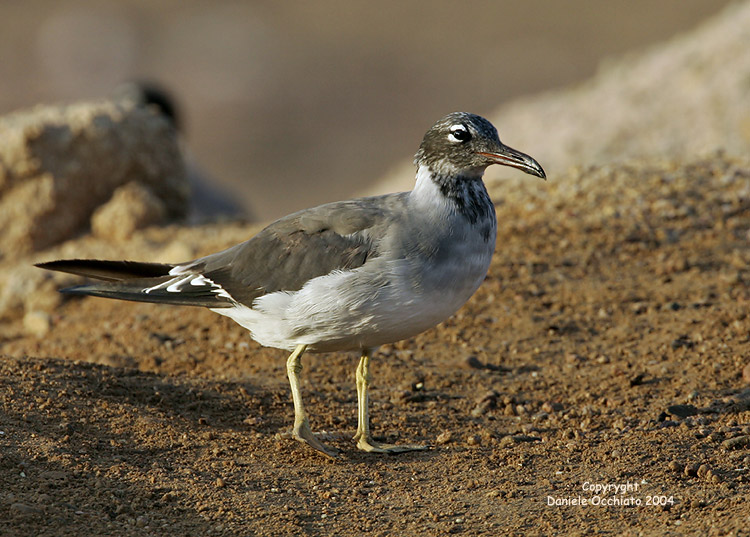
[(465, 144)]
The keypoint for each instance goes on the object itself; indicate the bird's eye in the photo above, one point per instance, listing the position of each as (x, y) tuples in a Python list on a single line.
[(459, 133)]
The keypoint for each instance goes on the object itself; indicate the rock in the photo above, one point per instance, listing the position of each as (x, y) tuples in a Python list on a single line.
[(59, 163), (474, 440), (551, 406), (738, 442), (703, 470), (676, 467), (485, 403), (444, 438), (132, 206), (746, 374)]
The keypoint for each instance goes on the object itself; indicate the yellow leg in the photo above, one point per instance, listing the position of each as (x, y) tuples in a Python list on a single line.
[(301, 430), (363, 436)]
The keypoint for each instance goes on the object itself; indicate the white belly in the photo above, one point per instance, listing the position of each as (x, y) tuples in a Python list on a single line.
[(382, 302)]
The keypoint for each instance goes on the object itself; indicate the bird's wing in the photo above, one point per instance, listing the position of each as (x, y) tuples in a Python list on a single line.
[(298, 248)]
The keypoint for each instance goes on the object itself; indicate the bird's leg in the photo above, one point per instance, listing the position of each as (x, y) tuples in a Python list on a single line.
[(363, 436), (301, 430)]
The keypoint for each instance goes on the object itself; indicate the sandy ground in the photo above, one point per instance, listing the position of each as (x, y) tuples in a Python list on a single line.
[(606, 347)]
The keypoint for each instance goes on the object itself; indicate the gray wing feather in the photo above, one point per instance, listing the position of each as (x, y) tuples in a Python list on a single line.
[(301, 246)]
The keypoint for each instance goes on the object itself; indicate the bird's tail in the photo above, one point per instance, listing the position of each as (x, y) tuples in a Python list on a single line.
[(140, 282)]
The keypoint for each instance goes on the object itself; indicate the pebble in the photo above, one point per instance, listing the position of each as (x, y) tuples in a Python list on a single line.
[(738, 442), (746, 373), (474, 440), (550, 407), (485, 403), (220, 483), (676, 467), (444, 437), (691, 470), (703, 469)]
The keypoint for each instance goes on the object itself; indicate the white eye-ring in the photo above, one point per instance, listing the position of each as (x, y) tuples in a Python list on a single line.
[(459, 134)]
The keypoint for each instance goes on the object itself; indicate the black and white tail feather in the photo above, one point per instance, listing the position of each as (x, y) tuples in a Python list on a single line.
[(143, 282)]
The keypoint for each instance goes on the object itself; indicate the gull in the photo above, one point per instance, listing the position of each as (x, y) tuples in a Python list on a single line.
[(349, 275)]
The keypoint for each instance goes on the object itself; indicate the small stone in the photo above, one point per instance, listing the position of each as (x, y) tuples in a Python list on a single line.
[(551, 407), (444, 438), (141, 521), (474, 440), (676, 467), (506, 442), (746, 373), (691, 470), (252, 420), (485, 403), (738, 442), (168, 497), (220, 483), (703, 469)]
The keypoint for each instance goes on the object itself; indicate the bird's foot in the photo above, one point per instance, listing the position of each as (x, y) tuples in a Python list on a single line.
[(366, 443), (302, 433)]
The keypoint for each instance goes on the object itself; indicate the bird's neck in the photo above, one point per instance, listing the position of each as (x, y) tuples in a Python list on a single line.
[(463, 192)]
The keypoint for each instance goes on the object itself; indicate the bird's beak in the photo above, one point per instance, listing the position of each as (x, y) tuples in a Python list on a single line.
[(507, 156)]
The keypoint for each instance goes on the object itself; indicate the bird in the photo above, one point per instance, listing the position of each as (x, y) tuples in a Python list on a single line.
[(348, 275)]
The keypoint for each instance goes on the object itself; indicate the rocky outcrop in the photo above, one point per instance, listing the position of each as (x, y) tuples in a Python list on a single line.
[(59, 164)]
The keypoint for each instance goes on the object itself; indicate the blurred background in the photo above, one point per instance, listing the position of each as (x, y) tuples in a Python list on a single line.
[(291, 104)]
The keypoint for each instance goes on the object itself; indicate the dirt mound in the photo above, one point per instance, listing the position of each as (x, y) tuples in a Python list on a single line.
[(605, 348), (58, 164)]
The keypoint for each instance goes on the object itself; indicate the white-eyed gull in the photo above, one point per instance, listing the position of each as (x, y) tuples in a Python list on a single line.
[(350, 275)]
